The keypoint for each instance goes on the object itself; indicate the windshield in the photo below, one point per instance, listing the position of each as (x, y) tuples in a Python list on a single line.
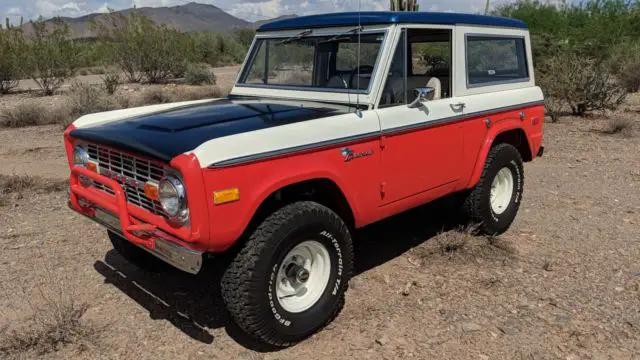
[(327, 62)]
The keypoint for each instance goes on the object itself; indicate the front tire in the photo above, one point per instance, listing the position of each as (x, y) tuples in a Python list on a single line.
[(494, 201), (289, 279)]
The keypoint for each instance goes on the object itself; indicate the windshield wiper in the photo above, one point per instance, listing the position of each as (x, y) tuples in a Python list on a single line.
[(342, 36), (298, 36)]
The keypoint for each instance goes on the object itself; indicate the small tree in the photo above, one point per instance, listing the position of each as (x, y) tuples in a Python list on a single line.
[(11, 48), (167, 52), (50, 56), (244, 36), (404, 5), (123, 38), (579, 83), (142, 48)]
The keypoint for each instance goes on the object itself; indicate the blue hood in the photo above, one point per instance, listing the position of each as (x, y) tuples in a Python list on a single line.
[(166, 134)]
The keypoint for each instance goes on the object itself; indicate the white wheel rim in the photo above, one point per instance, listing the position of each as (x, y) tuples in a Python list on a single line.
[(501, 190), (311, 259)]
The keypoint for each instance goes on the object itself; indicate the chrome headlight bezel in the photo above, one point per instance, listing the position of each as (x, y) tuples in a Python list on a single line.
[(181, 212), (80, 156)]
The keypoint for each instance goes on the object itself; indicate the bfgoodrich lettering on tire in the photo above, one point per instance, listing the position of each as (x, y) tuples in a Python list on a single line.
[(494, 201), (289, 279)]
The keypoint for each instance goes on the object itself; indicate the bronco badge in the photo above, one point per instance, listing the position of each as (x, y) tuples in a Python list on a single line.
[(349, 155)]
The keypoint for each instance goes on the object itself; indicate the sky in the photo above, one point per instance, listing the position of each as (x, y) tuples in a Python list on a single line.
[(250, 10)]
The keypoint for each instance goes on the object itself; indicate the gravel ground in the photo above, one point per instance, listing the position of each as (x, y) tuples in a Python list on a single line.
[(562, 283)]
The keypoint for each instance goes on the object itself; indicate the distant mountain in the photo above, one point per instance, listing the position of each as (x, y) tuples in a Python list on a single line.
[(187, 18)]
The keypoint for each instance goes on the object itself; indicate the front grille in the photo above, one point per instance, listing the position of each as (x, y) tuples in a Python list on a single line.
[(128, 168)]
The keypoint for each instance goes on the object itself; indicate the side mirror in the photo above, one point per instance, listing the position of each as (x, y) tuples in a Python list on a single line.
[(421, 95)]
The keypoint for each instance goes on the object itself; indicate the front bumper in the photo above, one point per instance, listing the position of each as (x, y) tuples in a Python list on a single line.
[(117, 215)]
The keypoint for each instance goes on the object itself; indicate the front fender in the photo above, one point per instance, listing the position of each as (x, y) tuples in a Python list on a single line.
[(257, 181)]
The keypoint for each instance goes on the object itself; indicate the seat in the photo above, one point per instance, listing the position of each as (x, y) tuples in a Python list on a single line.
[(434, 82), (414, 82)]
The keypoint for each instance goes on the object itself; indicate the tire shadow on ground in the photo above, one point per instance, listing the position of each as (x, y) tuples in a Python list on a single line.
[(193, 304)]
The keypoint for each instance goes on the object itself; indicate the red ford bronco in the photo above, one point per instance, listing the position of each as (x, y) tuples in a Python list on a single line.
[(336, 121)]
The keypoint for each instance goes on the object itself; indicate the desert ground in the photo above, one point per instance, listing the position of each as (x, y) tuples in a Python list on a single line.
[(562, 283)]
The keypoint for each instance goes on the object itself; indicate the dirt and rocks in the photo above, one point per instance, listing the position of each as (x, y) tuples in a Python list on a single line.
[(562, 283)]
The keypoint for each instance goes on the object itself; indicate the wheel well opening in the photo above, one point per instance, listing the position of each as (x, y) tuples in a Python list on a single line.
[(322, 191), (518, 139)]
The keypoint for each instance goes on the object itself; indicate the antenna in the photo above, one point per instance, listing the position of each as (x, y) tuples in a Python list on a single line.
[(358, 112)]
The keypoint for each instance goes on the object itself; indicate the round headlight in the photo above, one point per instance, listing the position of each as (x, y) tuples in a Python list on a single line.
[(173, 199), (80, 156)]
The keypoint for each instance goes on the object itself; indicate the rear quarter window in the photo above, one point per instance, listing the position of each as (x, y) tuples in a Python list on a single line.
[(491, 60)]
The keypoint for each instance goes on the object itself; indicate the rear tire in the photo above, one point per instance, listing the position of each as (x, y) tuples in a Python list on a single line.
[(136, 255), (262, 288), (494, 201)]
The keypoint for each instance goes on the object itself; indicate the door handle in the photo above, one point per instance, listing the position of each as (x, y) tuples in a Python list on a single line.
[(458, 106)]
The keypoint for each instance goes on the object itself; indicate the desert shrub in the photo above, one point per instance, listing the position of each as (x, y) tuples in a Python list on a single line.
[(166, 53), (111, 82), (30, 114), (18, 184), (11, 66), (56, 321), (198, 74), (196, 93), (24, 114), (620, 124), (154, 95), (244, 36), (579, 83), (626, 66), (217, 49), (142, 48), (87, 99)]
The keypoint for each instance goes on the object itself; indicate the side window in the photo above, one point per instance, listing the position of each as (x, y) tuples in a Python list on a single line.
[(493, 60), (422, 59)]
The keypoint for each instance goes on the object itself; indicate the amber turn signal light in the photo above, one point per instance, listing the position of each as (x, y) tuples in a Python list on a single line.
[(91, 166), (225, 196), (151, 191)]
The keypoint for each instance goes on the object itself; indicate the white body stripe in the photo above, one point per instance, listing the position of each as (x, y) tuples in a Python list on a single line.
[(318, 131), (286, 137)]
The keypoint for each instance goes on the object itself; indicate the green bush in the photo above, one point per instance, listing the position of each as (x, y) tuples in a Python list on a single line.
[(578, 83), (217, 49), (111, 82), (88, 99), (142, 48), (11, 48), (50, 55), (199, 74)]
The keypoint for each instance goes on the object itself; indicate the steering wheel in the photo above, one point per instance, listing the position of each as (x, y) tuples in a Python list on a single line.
[(362, 69)]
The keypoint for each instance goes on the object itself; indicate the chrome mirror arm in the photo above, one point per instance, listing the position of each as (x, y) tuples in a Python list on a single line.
[(421, 95)]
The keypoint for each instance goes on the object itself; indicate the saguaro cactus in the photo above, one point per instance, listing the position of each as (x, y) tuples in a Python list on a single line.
[(404, 5), (8, 25)]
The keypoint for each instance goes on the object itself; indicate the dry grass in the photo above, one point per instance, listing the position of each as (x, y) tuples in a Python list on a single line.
[(463, 244), (13, 187), (53, 324), (31, 113), (620, 124)]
